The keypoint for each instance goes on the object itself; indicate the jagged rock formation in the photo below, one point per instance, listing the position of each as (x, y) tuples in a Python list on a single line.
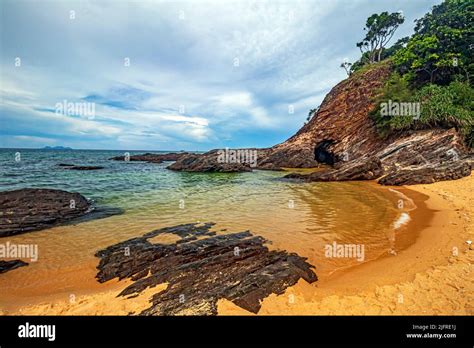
[(201, 268), (6, 266), (153, 157)]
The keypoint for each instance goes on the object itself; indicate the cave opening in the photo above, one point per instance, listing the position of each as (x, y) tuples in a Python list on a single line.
[(322, 154)]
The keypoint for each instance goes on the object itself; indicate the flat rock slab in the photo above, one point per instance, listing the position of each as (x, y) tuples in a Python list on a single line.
[(6, 266), (31, 209), (201, 268), (428, 174)]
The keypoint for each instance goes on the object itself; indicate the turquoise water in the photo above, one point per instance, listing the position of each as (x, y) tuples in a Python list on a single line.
[(297, 217)]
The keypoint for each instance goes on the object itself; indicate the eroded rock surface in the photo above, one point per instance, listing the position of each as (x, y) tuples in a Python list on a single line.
[(31, 209), (210, 162), (201, 268)]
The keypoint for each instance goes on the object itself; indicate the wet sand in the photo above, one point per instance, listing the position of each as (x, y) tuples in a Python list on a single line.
[(428, 277)]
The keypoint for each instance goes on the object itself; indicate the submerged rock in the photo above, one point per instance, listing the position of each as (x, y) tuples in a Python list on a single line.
[(6, 266), (201, 268), (74, 167), (31, 209)]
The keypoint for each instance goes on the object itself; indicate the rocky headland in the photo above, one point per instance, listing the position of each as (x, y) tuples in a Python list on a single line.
[(342, 138)]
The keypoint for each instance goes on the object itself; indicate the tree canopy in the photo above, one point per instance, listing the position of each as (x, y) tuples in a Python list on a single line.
[(379, 31)]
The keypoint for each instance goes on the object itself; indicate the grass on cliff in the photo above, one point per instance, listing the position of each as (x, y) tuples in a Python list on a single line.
[(439, 107)]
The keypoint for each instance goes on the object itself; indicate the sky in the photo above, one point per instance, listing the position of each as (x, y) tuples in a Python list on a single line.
[(174, 75)]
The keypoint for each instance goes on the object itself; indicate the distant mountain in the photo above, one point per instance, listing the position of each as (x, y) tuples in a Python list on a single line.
[(56, 148)]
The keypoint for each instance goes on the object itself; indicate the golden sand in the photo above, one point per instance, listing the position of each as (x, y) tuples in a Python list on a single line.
[(432, 276)]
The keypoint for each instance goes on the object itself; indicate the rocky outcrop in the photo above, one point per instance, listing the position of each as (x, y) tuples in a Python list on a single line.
[(342, 138), (30, 209), (427, 174), (419, 157), (363, 169), (152, 157), (339, 131), (220, 160), (6, 266), (343, 135), (201, 268), (74, 167)]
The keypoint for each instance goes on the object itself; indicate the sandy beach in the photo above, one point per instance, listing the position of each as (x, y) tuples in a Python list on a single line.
[(432, 276)]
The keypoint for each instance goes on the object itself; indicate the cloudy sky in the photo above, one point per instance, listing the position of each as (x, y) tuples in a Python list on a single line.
[(172, 75)]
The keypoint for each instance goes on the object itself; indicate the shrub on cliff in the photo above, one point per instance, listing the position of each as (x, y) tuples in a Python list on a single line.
[(431, 106)]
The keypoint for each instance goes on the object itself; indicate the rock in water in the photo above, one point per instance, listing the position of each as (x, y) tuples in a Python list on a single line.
[(74, 167), (209, 162), (6, 266), (152, 157), (30, 209), (201, 268)]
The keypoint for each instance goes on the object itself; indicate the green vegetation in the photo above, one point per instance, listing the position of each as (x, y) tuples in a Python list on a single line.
[(440, 106), (432, 69), (379, 30)]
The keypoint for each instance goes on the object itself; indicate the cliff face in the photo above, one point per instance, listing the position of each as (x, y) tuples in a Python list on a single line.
[(341, 129), (342, 134)]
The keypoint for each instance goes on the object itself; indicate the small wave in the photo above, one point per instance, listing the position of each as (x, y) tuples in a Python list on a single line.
[(403, 219)]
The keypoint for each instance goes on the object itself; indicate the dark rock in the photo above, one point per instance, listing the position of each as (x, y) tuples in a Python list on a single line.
[(201, 268), (6, 266), (362, 169), (74, 167), (211, 161), (30, 209), (152, 157)]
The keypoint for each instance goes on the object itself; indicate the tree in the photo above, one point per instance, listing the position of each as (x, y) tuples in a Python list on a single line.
[(441, 47), (311, 113), (347, 67), (380, 29)]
